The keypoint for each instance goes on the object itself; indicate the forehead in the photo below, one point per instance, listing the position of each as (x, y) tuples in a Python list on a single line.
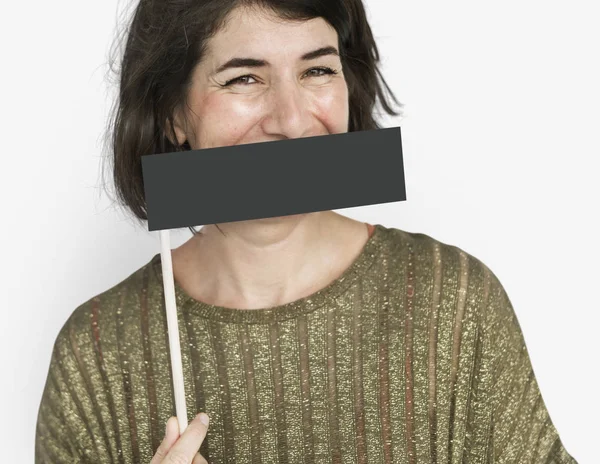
[(258, 32)]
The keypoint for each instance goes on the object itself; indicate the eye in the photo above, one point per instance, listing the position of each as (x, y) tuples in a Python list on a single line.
[(240, 79), (236, 80), (326, 70)]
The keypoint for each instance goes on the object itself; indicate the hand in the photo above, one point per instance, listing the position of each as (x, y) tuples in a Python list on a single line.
[(183, 449)]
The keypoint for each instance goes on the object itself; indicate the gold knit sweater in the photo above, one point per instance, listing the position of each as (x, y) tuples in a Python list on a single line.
[(413, 355)]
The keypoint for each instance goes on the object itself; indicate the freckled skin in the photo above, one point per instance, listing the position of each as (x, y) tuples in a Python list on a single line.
[(278, 102)]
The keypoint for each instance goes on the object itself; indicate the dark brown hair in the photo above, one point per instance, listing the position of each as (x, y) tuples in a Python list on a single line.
[(165, 40)]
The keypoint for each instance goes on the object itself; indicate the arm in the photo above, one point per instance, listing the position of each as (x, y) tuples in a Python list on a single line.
[(62, 433), (521, 428)]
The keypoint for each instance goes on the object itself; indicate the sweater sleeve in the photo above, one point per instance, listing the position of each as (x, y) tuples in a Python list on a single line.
[(62, 434), (521, 430)]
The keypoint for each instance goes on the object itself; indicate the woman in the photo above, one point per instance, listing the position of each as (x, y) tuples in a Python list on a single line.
[(305, 338)]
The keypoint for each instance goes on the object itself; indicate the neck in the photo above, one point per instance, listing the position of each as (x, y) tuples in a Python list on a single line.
[(267, 262)]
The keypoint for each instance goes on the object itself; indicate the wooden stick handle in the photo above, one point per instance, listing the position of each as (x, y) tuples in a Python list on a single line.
[(173, 329)]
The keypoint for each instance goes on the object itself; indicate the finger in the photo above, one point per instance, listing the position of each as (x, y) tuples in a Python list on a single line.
[(199, 459), (189, 442), (171, 434)]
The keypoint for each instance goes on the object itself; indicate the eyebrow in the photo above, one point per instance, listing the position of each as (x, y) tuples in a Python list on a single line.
[(256, 63)]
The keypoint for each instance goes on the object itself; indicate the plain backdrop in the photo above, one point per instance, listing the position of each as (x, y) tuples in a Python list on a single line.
[(501, 151)]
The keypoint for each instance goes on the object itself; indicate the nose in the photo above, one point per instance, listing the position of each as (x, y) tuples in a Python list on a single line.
[(288, 111)]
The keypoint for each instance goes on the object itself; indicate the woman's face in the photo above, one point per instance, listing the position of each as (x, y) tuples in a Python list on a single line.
[(271, 90)]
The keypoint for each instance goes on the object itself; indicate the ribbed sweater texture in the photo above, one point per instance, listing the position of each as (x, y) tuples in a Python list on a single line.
[(413, 355)]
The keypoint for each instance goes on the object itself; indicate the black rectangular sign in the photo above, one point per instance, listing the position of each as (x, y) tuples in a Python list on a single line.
[(269, 179)]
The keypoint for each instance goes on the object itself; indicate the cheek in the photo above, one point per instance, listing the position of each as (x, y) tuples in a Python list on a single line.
[(224, 119), (332, 109)]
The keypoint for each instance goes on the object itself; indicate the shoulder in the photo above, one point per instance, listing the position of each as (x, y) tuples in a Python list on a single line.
[(449, 287), (440, 271), (100, 318), (429, 252)]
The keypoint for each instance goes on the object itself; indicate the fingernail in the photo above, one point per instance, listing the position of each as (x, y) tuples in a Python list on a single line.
[(204, 418)]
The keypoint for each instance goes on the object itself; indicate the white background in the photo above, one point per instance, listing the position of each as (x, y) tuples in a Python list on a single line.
[(501, 150)]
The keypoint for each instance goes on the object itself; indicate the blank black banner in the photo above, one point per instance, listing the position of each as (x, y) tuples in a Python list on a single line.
[(269, 179)]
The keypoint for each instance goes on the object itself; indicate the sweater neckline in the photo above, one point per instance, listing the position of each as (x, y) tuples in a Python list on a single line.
[(185, 303)]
